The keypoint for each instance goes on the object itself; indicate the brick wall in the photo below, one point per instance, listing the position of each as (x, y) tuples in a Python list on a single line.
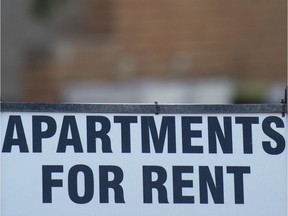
[(239, 37), (168, 39)]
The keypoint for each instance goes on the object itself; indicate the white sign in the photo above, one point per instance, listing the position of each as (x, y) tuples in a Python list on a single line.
[(143, 164)]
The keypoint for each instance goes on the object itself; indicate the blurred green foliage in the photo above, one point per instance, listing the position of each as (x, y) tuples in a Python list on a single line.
[(250, 92), (43, 9)]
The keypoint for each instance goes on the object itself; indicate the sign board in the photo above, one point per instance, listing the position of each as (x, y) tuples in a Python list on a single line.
[(143, 160)]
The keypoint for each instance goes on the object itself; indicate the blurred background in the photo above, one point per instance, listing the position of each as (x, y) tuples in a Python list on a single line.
[(110, 51)]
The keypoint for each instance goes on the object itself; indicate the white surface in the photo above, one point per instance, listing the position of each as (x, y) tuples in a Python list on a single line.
[(264, 188)]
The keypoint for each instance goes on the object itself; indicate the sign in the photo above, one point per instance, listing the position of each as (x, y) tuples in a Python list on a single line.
[(143, 160)]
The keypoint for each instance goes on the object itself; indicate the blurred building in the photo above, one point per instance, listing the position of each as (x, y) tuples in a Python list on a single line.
[(119, 46)]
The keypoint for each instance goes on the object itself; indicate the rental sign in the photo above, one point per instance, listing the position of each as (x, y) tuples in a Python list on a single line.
[(143, 160)]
